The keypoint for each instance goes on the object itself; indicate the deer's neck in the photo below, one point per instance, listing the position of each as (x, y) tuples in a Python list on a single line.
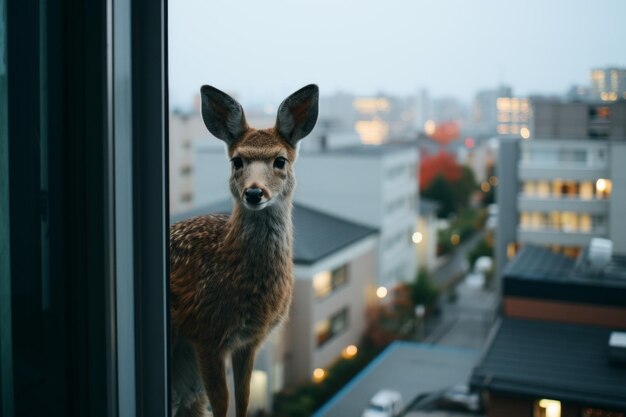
[(264, 237)]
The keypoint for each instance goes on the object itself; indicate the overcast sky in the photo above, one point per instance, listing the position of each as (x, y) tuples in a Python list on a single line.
[(262, 50)]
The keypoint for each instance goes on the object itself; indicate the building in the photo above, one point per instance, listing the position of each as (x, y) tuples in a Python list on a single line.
[(514, 117), (372, 185), (184, 128), (608, 84), (560, 348), (335, 271), (484, 118), (565, 185)]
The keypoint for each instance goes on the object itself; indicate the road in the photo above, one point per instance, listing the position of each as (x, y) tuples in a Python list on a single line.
[(457, 265)]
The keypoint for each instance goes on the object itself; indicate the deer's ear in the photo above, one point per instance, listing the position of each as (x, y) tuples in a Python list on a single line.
[(297, 114), (222, 114)]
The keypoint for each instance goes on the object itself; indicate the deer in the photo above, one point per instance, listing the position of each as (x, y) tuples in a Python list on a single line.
[(231, 277)]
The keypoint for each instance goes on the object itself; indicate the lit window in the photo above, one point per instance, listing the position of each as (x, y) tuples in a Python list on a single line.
[(547, 408), (543, 188), (586, 190), (326, 282), (372, 132)]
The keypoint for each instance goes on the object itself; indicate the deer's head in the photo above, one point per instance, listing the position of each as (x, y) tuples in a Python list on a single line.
[(261, 160)]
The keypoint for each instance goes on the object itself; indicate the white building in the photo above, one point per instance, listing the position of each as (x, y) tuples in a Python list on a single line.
[(184, 129), (372, 185)]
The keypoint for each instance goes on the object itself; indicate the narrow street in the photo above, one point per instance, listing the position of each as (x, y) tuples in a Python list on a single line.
[(456, 266)]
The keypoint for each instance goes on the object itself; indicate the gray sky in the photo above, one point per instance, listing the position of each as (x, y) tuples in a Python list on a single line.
[(263, 50)]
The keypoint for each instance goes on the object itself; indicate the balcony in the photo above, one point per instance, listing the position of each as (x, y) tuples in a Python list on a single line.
[(575, 204), (544, 170), (552, 236)]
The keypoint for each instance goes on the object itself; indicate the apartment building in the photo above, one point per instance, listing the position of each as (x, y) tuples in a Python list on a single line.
[(567, 183)]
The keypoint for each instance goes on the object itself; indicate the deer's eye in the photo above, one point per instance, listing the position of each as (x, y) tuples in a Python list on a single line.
[(280, 162), (237, 162)]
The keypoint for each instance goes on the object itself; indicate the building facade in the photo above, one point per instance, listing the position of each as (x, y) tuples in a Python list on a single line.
[(566, 184), (372, 185), (608, 84)]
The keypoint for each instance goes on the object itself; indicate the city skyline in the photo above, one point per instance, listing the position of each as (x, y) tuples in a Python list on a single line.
[(261, 51)]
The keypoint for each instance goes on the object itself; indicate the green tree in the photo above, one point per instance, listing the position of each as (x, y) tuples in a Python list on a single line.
[(423, 291), (441, 191)]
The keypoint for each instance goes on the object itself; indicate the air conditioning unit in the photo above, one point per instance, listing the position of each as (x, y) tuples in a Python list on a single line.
[(600, 253), (617, 348)]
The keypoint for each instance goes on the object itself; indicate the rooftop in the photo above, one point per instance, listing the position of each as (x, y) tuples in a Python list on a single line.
[(552, 360), (539, 273), (316, 234)]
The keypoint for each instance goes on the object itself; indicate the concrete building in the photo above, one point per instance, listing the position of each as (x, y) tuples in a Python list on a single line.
[(514, 117), (567, 184), (184, 128), (372, 185), (335, 271), (608, 84), (560, 348), (484, 117)]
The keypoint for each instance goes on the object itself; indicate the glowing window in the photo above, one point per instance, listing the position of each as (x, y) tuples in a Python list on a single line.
[(547, 408), (326, 282)]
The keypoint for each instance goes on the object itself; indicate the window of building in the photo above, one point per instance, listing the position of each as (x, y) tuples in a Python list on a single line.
[(547, 408), (325, 282), (597, 412), (336, 324)]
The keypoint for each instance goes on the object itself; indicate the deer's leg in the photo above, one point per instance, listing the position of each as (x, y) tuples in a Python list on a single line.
[(243, 360), (211, 364), (197, 408)]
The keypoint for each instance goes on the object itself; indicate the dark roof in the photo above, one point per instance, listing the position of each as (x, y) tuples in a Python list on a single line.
[(316, 234), (534, 262), (538, 273), (367, 150), (542, 359)]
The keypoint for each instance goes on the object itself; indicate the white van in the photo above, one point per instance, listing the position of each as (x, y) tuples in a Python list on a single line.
[(386, 403)]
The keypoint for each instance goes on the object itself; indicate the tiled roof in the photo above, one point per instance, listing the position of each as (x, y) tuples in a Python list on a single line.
[(316, 234), (552, 360)]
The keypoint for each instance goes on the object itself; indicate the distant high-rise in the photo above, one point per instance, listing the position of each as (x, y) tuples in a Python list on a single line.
[(513, 117), (484, 116), (608, 84)]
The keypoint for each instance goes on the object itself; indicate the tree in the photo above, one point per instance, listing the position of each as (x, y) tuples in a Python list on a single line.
[(423, 291), (440, 191)]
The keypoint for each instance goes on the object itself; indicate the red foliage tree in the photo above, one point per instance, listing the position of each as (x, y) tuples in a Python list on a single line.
[(442, 163)]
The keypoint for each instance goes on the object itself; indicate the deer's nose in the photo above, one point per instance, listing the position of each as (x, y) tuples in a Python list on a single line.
[(253, 195)]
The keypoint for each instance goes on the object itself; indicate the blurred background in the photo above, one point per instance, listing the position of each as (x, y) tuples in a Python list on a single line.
[(462, 191)]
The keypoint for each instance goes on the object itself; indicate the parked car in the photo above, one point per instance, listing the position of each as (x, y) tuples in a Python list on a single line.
[(386, 403), (461, 397)]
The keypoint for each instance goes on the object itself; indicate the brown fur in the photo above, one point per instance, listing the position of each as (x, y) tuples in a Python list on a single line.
[(231, 277)]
